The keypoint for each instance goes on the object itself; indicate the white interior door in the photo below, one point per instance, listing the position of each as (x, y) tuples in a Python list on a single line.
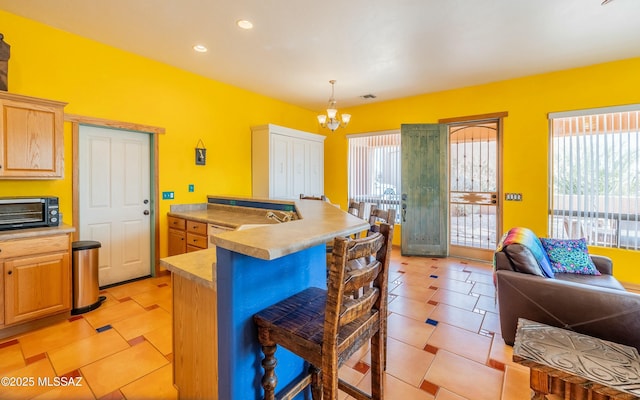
[(114, 193)]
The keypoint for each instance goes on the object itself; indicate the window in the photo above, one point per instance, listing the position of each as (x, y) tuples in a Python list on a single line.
[(595, 166), (374, 170)]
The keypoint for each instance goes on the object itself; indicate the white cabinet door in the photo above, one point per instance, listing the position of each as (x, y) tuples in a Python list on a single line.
[(314, 172), (299, 167), (280, 186)]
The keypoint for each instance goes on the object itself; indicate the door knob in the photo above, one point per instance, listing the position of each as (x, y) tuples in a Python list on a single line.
[(146, 212)]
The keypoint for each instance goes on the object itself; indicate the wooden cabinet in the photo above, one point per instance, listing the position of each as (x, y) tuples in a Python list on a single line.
[(31, 137), (186, 235), (36, 277), (286, 162), (177, 236), (197, 238)]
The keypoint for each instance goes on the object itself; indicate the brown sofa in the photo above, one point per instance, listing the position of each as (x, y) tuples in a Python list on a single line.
[(597, 306)]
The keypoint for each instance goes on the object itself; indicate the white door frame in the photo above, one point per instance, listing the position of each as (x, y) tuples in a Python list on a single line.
[(76, 121)]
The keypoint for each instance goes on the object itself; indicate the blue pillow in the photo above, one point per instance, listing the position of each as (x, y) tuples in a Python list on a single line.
[(569, 256)]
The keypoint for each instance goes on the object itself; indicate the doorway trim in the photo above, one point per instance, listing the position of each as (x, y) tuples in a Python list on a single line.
[(481, 254), (76, 121)]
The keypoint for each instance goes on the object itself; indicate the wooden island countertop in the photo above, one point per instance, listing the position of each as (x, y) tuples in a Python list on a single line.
[(216, 291)]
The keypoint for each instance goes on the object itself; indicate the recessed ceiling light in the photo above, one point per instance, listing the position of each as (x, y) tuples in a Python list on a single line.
[(200, 48), (244, 24)]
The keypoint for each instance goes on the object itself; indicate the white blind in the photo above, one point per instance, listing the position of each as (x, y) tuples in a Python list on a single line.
[(374, 169), (595, 191)]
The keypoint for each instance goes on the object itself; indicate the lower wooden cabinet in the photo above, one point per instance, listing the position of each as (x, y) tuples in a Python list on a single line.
[(186, 236), (36, 278)]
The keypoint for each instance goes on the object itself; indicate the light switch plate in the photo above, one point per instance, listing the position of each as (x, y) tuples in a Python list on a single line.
[(513, 196), (167, 196), (192, 187)]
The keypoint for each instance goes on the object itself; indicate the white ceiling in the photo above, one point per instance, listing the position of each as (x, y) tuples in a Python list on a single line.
[(390, 48)]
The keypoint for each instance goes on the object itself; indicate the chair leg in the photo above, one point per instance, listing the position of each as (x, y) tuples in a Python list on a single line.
[(316, 382), (378, 361), (269, 379)]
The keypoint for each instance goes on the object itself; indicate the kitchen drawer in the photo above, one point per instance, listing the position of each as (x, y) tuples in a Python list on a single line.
[(176, 223), (42, 244), (196, 240), (197, 227)]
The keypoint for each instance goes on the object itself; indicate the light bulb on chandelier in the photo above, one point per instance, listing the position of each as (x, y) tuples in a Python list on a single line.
[(331, 120)]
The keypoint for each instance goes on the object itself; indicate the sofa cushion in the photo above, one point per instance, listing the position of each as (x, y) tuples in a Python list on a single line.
[(525, 251), (569, 256), (606, 281)]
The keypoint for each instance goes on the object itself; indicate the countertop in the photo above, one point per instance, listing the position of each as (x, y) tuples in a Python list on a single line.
[(35, 232), (319, 222)]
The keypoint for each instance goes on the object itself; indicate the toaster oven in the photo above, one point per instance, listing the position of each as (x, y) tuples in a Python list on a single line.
[(28, 212)]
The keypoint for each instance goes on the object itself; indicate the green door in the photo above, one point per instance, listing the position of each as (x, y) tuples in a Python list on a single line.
[(424, 199)]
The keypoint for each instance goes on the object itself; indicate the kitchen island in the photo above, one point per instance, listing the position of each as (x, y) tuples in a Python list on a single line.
[(216, 292)]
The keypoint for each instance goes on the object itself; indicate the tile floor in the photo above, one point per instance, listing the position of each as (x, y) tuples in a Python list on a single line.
[(444, 342)]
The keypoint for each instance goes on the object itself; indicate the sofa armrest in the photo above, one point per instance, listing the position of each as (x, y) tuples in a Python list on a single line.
[(604, 313), (603, 264)]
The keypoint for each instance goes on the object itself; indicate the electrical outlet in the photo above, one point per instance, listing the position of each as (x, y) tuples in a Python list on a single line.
[(192, 187), (513, 196), (167, 196)]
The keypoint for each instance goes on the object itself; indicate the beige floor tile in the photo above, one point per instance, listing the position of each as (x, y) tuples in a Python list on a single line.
[(464, 301), (131, 289), (516, 384), (457, 317), (54, 336), (30, 386), (452, 274), (503, 353), (83, 352), (359, 355), (461, 342), (140, 324), (491, 322), (157, 385), (465, 377), (160, 338), (351, 376), (395, 388), (444, 394), (154, 296), (484, 289), (416, 309), (81, 391), (113, 372), (408, 330), (117, 312), (418, 292), (11, 358), (482, 277), (453, 285), (406, 362), (487, 304)]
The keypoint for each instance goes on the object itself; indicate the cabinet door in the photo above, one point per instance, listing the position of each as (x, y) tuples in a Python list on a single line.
[(177, 242), (32, 137), (280, 167), (314, 169), (36, 286), (298, 168)]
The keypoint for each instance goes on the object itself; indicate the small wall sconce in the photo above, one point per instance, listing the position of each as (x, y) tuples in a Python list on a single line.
[(201, 153)]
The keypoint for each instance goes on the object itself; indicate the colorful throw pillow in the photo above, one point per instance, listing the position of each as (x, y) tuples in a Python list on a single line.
[(525, 251), (569, 256)]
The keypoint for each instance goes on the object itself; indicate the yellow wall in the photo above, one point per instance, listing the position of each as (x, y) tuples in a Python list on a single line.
[(528, 101), (101, 81)]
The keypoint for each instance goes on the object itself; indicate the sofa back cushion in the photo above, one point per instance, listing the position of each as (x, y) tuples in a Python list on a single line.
[(525, 251)]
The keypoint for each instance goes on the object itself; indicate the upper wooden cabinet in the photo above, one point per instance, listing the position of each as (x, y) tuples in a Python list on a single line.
[(32, 141)]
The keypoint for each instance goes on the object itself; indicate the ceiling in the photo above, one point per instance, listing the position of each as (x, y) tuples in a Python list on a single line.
[(391, 49)]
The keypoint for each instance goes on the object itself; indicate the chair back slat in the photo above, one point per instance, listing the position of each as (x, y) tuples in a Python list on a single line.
[(353, 309), (378, 216), (359, 263), (356, 208)]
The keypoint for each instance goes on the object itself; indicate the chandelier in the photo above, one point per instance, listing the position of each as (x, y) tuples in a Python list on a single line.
[(331, 120)]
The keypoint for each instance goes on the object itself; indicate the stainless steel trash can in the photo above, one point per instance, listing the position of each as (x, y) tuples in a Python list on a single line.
[(85, 276)]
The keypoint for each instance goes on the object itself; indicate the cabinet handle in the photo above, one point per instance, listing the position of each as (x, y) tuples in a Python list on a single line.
[(9, 272)]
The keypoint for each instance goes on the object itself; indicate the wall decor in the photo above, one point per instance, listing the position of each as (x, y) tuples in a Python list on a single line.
[(5, 51)]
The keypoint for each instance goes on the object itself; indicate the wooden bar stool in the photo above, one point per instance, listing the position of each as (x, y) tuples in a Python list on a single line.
[(325, 327), (377, 216)]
